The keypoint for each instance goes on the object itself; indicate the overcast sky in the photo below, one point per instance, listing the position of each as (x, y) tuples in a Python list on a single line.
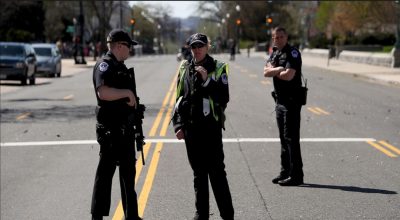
[(181, 9)]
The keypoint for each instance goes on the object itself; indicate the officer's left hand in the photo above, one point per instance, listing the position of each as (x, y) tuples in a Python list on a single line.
[(202, 71), (179, 134)]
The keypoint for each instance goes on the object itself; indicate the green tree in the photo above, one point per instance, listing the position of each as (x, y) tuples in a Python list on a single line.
[(22, 21), (58, 16), (347, 19), (252, 15)]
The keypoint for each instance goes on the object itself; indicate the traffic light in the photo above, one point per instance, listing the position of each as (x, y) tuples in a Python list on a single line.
[(268, 20), (238, 21), (133, 21)]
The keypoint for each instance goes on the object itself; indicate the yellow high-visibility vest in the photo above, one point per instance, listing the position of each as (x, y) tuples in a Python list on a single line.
[(215, 75)]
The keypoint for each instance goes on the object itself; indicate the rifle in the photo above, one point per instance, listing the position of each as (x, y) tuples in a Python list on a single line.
[(135, 120)]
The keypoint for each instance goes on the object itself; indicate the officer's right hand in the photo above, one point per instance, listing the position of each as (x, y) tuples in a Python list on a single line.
[(132, 99), (179, 134)]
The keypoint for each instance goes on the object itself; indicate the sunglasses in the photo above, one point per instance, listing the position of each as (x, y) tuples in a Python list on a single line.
[(126, 44), (194, 46), (277, 37)]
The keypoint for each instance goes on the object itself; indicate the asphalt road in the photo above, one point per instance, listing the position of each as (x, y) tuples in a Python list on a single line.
[(350, 147)]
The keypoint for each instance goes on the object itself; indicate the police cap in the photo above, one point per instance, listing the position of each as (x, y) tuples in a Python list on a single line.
[(118, 35), (197, 38)]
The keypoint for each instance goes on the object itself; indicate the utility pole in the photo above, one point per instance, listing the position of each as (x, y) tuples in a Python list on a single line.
[(82, 25), (120, 14), (79, 39), (396, 48)]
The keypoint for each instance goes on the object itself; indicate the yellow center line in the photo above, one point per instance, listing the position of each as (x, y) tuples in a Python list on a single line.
[(144, 195), (313, 111), (380, 148), (68, 97), (23, 116), (148, 184), (253, 76), (265, 82), (167, 118), (156, 123), (391, 147), (324, 112), (119, 212)]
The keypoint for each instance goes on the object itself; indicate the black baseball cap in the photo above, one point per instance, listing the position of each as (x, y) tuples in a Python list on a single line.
[(198, 38), (118, 35)]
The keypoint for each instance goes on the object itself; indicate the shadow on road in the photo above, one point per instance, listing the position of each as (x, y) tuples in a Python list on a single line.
[(55, 113), (349, 188), (18, 84)]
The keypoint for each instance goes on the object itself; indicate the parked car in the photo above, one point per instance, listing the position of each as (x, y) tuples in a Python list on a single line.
[(17, 62), (48, 59)]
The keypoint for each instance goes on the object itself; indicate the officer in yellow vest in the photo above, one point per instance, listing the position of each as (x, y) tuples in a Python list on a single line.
[(202, 96)]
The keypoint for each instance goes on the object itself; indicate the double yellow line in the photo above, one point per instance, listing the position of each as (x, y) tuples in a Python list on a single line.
[(385, 148), (167, 106)]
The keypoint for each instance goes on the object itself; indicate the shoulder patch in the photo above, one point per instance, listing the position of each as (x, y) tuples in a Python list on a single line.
[(224, 78), (294, 53), (103, 66)]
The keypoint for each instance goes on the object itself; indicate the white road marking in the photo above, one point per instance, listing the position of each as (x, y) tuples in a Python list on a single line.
[(154, 140)]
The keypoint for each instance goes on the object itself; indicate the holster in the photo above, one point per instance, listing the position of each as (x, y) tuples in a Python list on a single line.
[(106, 136), (103, 136), (273, 94), (303, 95)]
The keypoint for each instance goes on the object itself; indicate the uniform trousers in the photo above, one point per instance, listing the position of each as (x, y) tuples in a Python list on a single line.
[(288, 119), (206, 157), (118, 150)]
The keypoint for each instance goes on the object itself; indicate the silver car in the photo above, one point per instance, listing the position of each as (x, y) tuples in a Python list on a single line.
[(48, 59)]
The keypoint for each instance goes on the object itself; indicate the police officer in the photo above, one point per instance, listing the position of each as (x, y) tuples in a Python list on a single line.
[(284, 65), (116, 99), (202, 96)]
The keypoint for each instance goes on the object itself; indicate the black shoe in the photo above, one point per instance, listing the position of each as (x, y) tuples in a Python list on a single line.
[(278, 178), (94, 217), (291, 181), (197, 217)]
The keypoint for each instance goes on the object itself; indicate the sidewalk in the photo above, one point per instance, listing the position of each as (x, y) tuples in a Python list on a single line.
[(70, 68), (376, 73), (371, 72)]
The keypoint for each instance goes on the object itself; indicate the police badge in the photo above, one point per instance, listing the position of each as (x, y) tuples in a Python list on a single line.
[(103, 66)]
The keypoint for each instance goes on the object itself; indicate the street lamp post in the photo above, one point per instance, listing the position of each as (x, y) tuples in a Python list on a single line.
[(224, 36), (238, 23), (160, 44), (227, 25), (82, 21), (79, 38)]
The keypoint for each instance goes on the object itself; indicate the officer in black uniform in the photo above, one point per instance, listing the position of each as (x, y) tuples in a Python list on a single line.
[(116, 99), (202, 96), (284, 65)]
